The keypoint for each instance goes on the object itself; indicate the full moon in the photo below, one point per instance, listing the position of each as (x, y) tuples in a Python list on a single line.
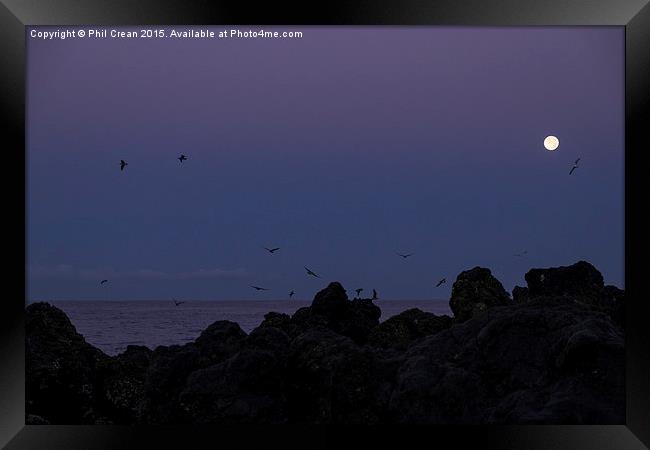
[(551, 143)]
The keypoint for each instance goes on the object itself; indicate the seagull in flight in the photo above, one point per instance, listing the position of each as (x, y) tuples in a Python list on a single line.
[(441, 282), (177, 302), (257, 288), (358, 291), (182, 158), (272, 250), (291, 293), (310, 272), (522, 253), (404, 255), (575, 166), (103, 281), (374, 295), (123, 164)]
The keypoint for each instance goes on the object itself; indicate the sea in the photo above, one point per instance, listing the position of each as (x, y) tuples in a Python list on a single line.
[(113, 325)]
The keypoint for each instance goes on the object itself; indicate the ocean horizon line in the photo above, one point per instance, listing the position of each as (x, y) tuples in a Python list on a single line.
[(226, 300)]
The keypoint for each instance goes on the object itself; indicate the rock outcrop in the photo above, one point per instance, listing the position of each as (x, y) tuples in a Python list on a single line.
[(248, 387), (474, 291), (541, 362), (61, 369), (332, 309), (122, 383), (400, 331), (554, 354), (580, 282), (171, 367)]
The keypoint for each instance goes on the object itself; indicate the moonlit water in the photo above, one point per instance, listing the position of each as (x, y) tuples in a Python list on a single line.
[(112, 325)]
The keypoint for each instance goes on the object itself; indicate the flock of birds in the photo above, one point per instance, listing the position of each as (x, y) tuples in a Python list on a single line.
[(310, 272)]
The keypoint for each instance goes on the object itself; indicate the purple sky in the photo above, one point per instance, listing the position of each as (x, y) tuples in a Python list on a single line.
[(341, 148)]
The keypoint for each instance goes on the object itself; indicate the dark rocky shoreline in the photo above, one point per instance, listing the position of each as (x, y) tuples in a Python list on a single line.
[(551, 354)]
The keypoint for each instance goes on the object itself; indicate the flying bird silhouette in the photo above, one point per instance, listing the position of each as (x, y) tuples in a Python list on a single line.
[(177, 302), (182, 158), (575, 166), (374, 295), (521, 254), (404, 255), (123, 164), (103, 281), (272, 250), (441, 282), (257, 288), (291, 293), (310, 272)]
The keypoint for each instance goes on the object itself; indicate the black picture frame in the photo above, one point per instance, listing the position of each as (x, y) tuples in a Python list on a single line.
[(634, 15)]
